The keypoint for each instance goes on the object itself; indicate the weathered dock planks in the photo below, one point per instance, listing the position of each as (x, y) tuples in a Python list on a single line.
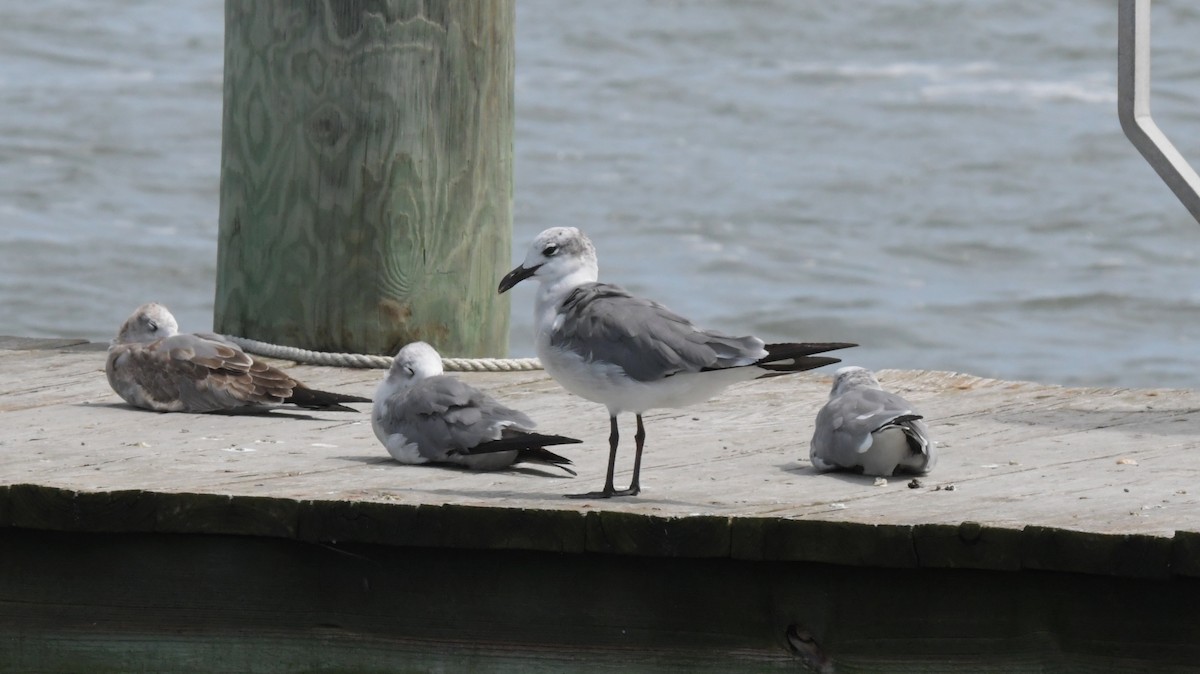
[(1105, 461), (1079, 483)]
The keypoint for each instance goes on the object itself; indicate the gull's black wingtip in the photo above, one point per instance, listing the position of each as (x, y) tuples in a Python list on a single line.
[(543, 456), (792, 350), (787, 357), (521, 440), (324, 401), (799, 364), (557, 440)]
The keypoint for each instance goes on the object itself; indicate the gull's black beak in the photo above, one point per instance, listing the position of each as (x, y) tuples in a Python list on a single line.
[(515, 276)]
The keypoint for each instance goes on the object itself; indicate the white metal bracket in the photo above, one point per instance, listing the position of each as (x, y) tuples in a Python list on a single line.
[(1133, 105)]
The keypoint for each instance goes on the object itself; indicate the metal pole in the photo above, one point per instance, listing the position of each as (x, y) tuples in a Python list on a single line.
[(1133, 105)]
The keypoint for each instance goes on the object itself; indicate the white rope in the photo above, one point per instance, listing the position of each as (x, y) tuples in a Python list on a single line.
[(491, 364), (366, 361)]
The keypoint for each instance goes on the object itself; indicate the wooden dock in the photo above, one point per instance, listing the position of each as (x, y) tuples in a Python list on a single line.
[(1060, 531)]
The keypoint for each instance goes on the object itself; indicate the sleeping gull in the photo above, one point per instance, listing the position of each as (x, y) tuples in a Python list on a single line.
[(423, 416), (631, 354), (863, 426), (152, 366)]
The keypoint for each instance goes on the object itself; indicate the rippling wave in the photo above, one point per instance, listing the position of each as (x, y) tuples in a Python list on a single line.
[(944, 181)]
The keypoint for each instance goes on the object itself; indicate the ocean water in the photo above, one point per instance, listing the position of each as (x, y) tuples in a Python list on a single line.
[(944, 182)]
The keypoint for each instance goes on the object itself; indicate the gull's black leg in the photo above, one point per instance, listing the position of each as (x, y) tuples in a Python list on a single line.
[(609, 491), (613, 437), (640, 439)]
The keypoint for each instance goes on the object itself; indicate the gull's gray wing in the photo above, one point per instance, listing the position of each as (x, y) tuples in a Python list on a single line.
[(603, 322), (844, 426), (445, 417), (189, 373), (214, 337)]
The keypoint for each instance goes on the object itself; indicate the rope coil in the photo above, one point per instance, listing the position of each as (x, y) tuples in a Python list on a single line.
[(360, 360)]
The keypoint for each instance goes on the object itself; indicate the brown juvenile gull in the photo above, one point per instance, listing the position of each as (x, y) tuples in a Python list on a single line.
[(865, 427), (423, 416), (632, 354), (152, 366)]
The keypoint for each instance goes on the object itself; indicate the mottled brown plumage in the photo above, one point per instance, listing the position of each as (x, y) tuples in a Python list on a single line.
[(150, 365)]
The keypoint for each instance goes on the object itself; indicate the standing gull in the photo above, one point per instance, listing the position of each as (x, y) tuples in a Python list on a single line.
[(423, 416), (152, 366), (863, 426), (632, 354)]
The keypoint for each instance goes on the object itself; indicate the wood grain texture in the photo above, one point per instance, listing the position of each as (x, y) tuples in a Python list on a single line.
[(289, 541), (366, 177), (1095, 481)]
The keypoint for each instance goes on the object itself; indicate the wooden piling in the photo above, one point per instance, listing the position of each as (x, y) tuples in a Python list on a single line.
[(366, 174)]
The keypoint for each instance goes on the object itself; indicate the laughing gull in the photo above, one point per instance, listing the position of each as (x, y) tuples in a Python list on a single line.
[(632, 354), (423, 416), (152, 366), (865, 427)]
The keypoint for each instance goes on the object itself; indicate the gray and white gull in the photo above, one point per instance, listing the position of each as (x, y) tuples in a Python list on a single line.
[(153, 366), (865, 427), (633, 354), (423, 416)]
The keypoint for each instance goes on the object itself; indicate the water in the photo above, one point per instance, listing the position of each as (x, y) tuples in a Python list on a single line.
[(944, 182)]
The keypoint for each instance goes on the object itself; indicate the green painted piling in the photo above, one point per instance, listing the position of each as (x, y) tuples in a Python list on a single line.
[(366, 174)]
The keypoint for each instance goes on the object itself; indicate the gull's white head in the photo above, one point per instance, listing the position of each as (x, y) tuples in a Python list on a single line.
[(151, 322), (414, 362), (556, 254), (852, 377)]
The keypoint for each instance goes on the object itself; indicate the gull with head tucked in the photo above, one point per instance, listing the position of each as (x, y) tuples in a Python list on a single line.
[(152, 366), (865, 427), (423, 416), (632, 354)]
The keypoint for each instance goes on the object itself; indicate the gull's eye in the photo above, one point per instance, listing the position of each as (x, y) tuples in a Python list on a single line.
[(152, 325), (550, 250), (409, 371)]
